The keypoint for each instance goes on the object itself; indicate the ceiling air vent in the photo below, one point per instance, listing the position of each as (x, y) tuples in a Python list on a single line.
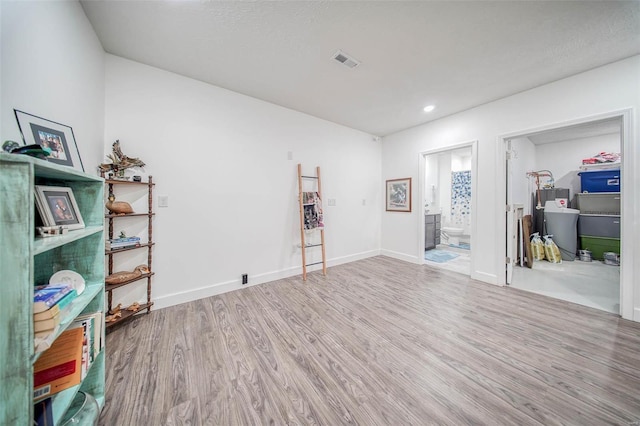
[(345, 59)]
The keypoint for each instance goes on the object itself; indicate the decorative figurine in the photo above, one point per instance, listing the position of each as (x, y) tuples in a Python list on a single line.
[(114, 314), (134, 307), (120, 277), (119, 161), (118, 207)]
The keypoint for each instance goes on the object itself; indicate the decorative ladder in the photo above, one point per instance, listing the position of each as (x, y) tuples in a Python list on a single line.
[(303, 243)]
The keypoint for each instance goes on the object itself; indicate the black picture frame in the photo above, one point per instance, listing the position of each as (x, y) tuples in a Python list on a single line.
[(50, 134)]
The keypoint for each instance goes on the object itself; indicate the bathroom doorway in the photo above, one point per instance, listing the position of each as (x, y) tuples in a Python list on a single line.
[(448, 193), (546, 172)]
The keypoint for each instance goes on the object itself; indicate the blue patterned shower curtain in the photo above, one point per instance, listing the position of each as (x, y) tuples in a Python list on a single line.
[(460, 197)]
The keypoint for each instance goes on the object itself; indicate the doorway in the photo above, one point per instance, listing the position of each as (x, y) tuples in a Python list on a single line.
[(448, 196), (546, 170)]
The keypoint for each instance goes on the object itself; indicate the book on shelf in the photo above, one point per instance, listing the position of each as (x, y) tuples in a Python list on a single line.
[(57, 308), (60, 366), (121, 246), (124, 239), (96, 319), (46, 324), (41, 336), (49, 313), (46, 296), (85, 360), (43, 412), (122, 243)]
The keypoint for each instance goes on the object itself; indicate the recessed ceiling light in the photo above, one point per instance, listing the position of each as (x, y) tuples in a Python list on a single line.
[(429, 108)]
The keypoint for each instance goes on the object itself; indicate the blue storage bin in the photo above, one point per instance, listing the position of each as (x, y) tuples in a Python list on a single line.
[(600, 180)]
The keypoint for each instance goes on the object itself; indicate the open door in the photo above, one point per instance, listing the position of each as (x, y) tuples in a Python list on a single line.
[(512, 230)]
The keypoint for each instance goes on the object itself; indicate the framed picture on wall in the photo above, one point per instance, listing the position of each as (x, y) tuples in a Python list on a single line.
[(57, 137), (57, 207), (399, 195)]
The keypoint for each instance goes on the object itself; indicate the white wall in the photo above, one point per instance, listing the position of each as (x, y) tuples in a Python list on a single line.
[(523, 161), (564, 158), (53, 67), (606, 89), (222, 158), (431, 187), (444, 185)]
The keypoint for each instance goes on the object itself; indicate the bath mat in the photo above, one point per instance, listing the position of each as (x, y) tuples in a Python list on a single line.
[(465, 246), (439, 256)]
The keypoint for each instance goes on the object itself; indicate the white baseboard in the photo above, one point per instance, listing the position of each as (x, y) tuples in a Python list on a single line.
[(401, 256), (225, 287), (484, 277), (636, 314)]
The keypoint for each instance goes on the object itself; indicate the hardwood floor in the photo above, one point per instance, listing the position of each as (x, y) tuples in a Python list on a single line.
[(376, 342)]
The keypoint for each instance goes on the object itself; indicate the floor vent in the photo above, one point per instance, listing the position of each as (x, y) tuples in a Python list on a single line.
[(345, 59)]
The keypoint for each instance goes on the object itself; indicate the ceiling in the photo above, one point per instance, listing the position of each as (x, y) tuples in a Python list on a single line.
[(595, 128), (453, 54)]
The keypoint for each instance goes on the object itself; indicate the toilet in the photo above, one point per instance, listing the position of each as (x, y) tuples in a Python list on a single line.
[(452, 234)]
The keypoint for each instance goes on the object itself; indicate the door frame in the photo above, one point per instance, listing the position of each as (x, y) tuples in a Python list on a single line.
[(627, 187), (473, 144)]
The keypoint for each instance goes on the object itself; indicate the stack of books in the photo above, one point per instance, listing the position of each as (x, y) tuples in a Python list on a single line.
[(67, 362), (48, 301), (120, 243)]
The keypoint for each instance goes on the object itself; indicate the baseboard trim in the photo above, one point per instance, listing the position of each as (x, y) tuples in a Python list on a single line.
[(225, 287), (484, 277), (636, 314), (401, 256)]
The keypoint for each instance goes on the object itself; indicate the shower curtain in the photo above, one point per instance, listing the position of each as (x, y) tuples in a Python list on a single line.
[(461, 199)]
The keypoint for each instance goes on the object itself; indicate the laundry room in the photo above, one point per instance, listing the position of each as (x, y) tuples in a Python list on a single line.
[(563, 186)]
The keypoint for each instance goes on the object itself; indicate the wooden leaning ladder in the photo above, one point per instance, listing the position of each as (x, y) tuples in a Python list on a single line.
[(303, 243)]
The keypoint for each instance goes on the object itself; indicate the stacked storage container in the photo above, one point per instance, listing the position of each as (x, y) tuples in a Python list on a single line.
[(599, 205)]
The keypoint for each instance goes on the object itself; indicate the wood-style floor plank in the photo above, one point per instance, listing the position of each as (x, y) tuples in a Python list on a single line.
[(375, 342)]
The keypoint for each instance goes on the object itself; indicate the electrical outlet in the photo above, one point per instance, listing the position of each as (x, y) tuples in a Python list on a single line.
[(163, 201), (245, 278)]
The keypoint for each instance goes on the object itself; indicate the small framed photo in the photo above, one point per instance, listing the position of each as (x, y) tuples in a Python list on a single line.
[(399, 195), (57, 207), (58, 137)]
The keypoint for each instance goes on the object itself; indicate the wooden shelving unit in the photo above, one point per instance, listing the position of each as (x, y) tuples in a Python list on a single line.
[(28, 260), (110, 220), (304, 245)]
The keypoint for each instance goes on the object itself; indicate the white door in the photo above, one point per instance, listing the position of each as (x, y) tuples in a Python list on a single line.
[(512, 230)]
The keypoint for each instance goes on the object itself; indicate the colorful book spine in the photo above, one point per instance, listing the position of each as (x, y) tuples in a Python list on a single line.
[(122, 243), (47, 296)]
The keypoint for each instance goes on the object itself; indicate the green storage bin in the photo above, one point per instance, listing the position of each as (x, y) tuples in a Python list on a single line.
[(599, 245)]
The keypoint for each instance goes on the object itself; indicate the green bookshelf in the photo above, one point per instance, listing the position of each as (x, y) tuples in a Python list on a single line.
[(27, 260)]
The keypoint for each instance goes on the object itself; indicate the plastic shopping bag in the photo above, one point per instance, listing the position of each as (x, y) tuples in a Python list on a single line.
[(551, 250), (537, 246)]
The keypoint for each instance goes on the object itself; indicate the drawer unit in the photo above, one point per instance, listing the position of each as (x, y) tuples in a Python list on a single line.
[(599, 203), (598, 246), (600, 180), (599, 226)]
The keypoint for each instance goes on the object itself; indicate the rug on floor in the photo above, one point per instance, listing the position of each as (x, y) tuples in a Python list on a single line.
[(440, 256), (465, 246)]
